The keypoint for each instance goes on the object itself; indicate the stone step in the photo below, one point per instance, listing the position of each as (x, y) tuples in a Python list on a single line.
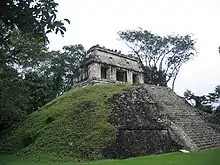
[(186, 120), (179, 109), (180, 115), (204, 138), (201, 136), (200, 125), (190, 122), (197, 138), (201, 141), (208, 145), (185, 116), (194, 127), (199, 132), (198, 129)]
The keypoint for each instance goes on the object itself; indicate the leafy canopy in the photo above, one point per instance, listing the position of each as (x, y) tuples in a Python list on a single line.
[(207, 103), (31, 76), (35, 17), (161, 56)]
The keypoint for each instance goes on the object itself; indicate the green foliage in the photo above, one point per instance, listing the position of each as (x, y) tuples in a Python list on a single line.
[(38, 91), (12, 93), (34, 17), (159, 55), (24, 87), (73, 126), (210, 157), (24, 54), (200, 101), (62, 67), (154, 76), (207, 103), (31, 76)]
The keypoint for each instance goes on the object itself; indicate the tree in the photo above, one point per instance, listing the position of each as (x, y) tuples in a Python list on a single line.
[(33, 17), (38, 91), (201, 102), (162, 56), (24, 25), (27, 85), (209, 103), (12, 98), (24, 51), (22, 55), (217, 91), (62, 67)]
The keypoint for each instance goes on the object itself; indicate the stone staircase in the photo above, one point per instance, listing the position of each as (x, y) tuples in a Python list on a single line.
[(190, 119)]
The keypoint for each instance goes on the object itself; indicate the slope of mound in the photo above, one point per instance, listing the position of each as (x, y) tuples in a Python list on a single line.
[(73, 126)]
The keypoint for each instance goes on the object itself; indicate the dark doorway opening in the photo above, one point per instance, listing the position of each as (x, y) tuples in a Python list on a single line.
[(104, 72), (135, 78), (121, 76)]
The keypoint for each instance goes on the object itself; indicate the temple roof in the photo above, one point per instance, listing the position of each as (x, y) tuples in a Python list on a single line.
[(112, 57)]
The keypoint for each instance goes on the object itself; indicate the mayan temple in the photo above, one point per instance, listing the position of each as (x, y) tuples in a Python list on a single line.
[(109, 66), (150, 119)]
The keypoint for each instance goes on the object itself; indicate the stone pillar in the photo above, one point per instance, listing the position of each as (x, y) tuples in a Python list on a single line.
[(112, 73), (108, 73), (141, 78), (129, 76), (94, 70)]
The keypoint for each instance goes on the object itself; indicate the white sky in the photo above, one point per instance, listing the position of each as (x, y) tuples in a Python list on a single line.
[(98, 21)]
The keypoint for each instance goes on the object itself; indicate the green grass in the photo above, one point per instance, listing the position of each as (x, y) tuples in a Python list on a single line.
[(208, 157), (70, 127)]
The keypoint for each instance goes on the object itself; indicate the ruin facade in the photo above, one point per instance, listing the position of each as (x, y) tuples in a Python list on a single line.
[(110, 66), (153, 119), (149, 119)]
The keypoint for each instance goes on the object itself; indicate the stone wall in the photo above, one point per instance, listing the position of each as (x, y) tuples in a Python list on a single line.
[(95, 81), (136, 116), (94, 70), (118, 61), (189, 124), (112, 57), (114, 62), (153, 119)]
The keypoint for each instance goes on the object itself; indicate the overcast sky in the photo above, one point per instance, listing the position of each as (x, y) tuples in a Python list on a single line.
[(98, 21)]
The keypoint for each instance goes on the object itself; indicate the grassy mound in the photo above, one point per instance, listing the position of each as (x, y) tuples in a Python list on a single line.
[(71, 127)]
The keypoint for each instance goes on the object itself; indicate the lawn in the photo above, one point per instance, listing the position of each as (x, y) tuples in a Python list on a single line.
[(207, 157)]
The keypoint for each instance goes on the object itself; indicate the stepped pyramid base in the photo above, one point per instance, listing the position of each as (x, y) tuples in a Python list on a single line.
[(192, 121), (152, 119)]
